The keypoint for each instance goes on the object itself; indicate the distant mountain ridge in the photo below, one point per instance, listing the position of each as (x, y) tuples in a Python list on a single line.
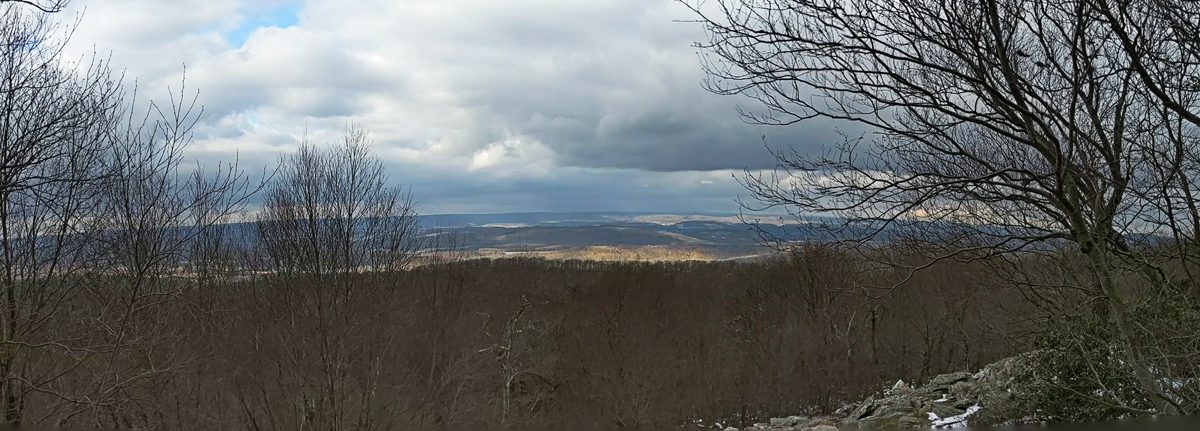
[(585, 235), (566, 218), (615, 235), (720, 235)]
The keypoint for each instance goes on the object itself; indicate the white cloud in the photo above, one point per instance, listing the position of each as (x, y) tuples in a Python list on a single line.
[(513, 156), (462, 91)]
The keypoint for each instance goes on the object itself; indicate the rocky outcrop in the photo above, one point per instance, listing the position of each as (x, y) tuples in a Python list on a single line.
[(946, 401), (795, 423)]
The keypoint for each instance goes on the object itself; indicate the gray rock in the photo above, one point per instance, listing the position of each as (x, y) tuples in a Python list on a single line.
[(864, 409), (882, 421), (948, 395), (944, 410), (945, 380), (846, 410), (903, 406), (912, 422), (816, 422), (789, 421)]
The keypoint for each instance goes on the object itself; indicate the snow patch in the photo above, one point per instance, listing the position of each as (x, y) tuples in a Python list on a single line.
[(506, 225), (956, 421)]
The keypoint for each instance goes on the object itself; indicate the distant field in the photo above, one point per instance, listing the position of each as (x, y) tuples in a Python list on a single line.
[(600, 236), (608, 253)]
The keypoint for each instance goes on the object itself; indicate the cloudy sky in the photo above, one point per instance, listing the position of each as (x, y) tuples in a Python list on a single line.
[(477, 105)]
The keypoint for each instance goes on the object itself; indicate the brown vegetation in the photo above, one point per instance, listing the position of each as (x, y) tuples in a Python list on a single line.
[(528, 343)]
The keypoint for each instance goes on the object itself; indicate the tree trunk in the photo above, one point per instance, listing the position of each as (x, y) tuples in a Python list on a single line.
[(1098, 259)]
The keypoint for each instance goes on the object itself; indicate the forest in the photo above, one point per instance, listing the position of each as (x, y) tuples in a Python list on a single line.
[(1024, 187)]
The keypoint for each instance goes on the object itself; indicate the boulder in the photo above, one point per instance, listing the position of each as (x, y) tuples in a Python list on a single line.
[(864, 409), (789, 421), (943, 382), (944, 410), (846, 410), (821, 421)]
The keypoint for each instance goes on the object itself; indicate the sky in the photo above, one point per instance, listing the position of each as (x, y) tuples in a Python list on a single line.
[(477, 106)]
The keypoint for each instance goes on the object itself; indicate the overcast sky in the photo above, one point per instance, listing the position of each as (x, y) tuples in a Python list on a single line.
[(477, 105)]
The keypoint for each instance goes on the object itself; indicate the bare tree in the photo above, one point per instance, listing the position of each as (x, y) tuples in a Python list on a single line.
[(335, 233), (981, 129), (53, 127), (46, 6), (152, 216), (97, 218), (331, 211)]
